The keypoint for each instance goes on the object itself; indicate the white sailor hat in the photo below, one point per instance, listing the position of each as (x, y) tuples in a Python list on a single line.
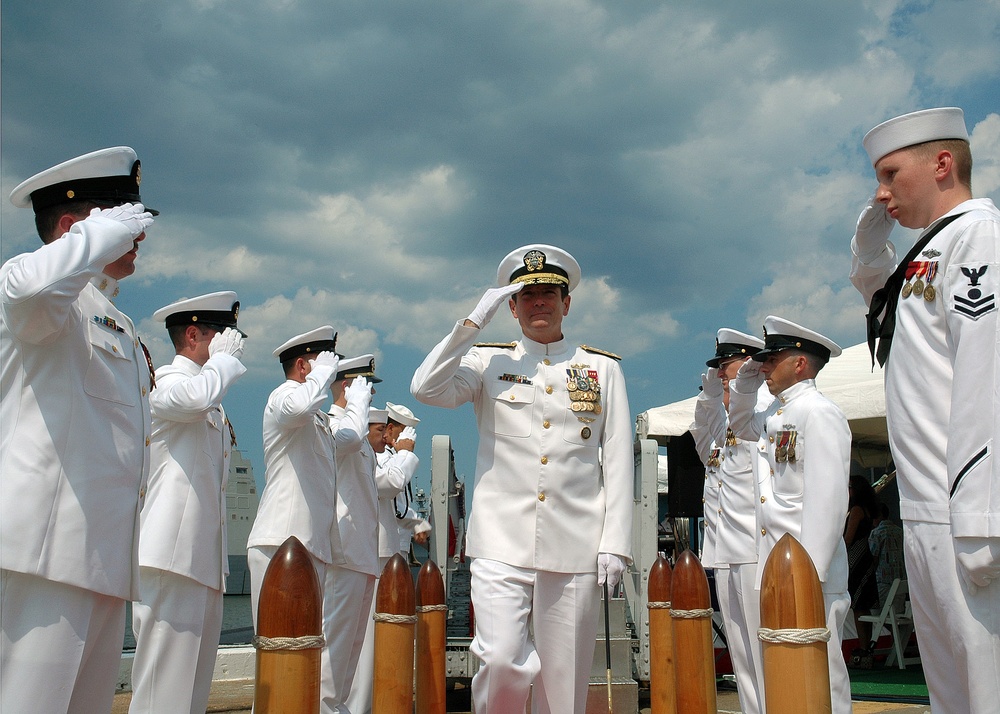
[(219, 310), (322, 339), (730, 343), (363, 366), (377, 416), (401, 415), (106, 176), (781, 334), (915, 128), (539, 263)]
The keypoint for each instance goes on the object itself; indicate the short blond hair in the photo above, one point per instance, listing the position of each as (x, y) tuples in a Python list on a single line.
[(961, 154)]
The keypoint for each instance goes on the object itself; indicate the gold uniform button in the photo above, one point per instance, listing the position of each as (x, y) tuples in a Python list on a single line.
[(142, 493), (548, 390), (762, 499), (144, 391), (703, 500), (546, 361), (545, 459), (779, 411), (225, 454), (720, 511), (546, 424), (114, 348), (763, 531), (541, 497), (147, 441), (771, 439), (512, 397), (772, 472)]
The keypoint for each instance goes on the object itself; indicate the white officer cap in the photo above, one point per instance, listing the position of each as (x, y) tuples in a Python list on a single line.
[(539, 263), (105, 176), (322, 339), (219, 310), (915, 128), (781, 334), (400, 414), (363, 366), (730, 343), (377, 416)]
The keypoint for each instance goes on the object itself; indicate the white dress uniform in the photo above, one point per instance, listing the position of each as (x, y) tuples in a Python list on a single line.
[(736, 546), (300, 476), (941, 413), (551, 492), (75, 460), (802, 467), (349, 590), (183, 554), (943, 428)]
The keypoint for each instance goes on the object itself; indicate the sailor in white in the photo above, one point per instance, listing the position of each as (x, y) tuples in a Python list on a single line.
[(300, 477), (729, 470), (552, 503), (802, 467), (183, 556), (349, 587), (395, 467), (941, 393), (74, 437)]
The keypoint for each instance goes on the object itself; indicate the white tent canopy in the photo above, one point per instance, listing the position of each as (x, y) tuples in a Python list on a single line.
[(847, 380)]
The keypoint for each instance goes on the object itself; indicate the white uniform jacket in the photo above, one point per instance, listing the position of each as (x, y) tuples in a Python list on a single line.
[(554, 481), (183, 522), (392, 472), (802, 466), (943, 372), (736, 527), (357, 499), (300, 476), (707, 444), (74, 415)]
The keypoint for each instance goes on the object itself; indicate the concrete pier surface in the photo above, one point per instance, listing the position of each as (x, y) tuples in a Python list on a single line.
[(237, 696)]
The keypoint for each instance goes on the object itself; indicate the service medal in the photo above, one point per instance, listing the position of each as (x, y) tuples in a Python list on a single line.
[(930, 293), (907, 289), (918, 287), (585, 432)]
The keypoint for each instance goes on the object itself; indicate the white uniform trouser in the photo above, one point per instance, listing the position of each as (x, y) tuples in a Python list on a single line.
[(258, 558), (740, 606), (61, 646), (562, 611), (347, 599), (359, 700), (837, 606), (176, 628), (958, 632)]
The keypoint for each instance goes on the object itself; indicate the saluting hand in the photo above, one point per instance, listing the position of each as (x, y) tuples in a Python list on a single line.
[(229, 342), (711, 384), (874, 226), (406, 440), (133, 216), (749, 378), (490, 302)]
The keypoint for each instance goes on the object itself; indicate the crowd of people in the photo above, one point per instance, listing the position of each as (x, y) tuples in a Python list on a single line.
[(114, 472)]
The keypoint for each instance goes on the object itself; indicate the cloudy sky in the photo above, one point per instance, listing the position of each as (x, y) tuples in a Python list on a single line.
[(368, 164)]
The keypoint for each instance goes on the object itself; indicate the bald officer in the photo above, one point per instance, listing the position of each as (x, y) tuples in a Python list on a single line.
[(941, 393), (300, 470), (729, 474), (552, 503), (802, 465), (183, 551), (349, 587), (75, 428)]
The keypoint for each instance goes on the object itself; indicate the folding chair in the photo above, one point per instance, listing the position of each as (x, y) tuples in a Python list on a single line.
[(896, 617)]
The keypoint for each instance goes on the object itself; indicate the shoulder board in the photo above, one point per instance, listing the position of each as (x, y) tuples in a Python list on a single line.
[(594, 350), (499, 345)]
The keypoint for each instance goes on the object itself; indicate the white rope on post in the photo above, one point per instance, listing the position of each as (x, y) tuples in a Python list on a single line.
[(308, 642), (432, 608), (798, 637), (691, 614), (398, 619), (658, 605)]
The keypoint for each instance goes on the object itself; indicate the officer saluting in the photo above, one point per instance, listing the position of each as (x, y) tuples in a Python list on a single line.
[(183, 555), (75, 436), (551, 511)]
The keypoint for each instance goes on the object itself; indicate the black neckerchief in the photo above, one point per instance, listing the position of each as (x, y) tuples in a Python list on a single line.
[(887, 297)]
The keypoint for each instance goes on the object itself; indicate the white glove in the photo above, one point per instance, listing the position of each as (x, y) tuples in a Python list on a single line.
[(978, 561), (229, 342), (610, 568), (133, 216), (327, 359), (359, 391), (874, 226), (408, 433), (490, 302), (749, 378), (711, 384)]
